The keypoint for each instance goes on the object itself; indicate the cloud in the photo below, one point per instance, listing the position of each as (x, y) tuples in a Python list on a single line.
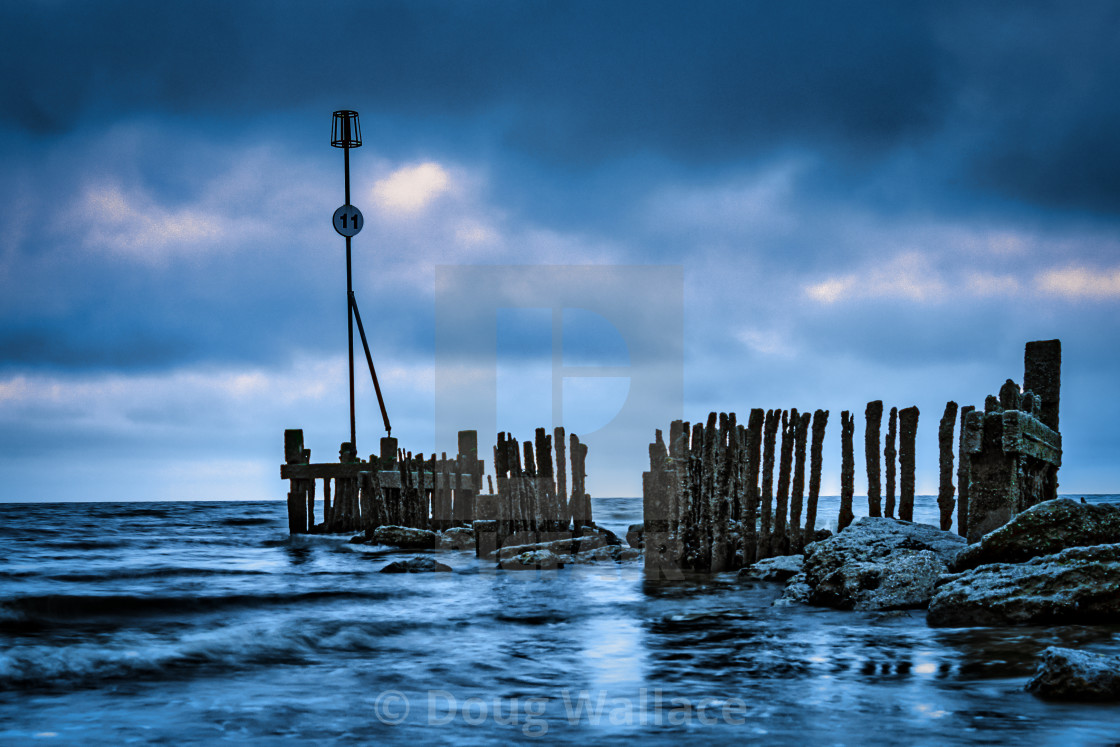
[(472, 232), (831, 290), (1081, 283), (767, 341), (133, 225), (410, 189), (987, 285), (907, 276)]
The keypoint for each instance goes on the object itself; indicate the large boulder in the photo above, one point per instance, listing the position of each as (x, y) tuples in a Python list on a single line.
[(1044, 529), (1069, 674), (1077, 585), (404, 537), (879, 563)]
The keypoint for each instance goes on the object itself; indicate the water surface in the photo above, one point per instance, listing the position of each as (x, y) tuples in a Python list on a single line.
[(195, 623)]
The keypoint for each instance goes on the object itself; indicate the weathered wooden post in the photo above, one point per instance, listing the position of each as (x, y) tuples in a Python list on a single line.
[(576, 502), (907, 434), (1042, 374), (889, 455), (294, 453), (779, 542), (565, 511), (721, 506), (696, 478), (310, 487), (587, 510), (770, 433), (707, 496), (874, 421), (847, 469), (679, 487), (945, 431), (655, 508), (963, 476), (502, 511), (467, 463), (816, 457), (398, 499), (365, 499), (753, 453), (797, 537)]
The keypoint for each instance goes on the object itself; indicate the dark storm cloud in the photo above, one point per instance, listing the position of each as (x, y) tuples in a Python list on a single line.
[(1012, 99), (587, 78), (1036, 113)]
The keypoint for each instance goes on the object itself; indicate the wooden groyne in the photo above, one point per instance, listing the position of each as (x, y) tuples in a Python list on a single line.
[(709, 500), (531, 505), (394, 488), (1010, 451)]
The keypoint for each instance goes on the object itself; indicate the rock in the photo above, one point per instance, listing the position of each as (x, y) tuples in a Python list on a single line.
[(457, 538), (1044, 529), (879, 563), (607, 536), (534, 560), (780, 568), (1076, 585), (419, 564), (616, 553), (1069, 674), (796, 592), (903, 580), (820, 535), (590, 538), (634, 535), (405, 537)]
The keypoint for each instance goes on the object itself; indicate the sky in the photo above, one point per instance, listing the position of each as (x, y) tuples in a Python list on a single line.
[(865, 200)]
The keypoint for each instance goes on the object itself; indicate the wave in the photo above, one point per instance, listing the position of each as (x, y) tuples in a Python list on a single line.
[(21, 611), (138, 573), (248, 521), (231, 648), (84, 544)]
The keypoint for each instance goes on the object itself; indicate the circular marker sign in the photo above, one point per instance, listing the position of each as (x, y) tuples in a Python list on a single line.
[(348, 220)]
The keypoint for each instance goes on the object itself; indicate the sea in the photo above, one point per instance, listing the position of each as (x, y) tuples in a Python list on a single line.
[(205, 623)]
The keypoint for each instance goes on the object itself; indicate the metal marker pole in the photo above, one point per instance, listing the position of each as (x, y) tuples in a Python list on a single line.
[(349, 308)]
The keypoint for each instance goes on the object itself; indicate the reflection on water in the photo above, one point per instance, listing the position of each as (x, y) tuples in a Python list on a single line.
[(193, 623)]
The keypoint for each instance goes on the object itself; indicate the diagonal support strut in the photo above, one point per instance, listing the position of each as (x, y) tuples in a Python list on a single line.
[(369, 360)]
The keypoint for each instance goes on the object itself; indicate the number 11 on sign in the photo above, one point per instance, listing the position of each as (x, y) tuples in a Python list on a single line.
[(348, 220)]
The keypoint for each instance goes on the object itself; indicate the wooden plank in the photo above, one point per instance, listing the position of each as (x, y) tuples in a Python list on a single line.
[(388, 478)]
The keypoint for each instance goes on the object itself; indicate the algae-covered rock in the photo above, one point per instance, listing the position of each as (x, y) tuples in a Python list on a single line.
[(1077, 585), (535, 560), (404, 537), (1044, 529)]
